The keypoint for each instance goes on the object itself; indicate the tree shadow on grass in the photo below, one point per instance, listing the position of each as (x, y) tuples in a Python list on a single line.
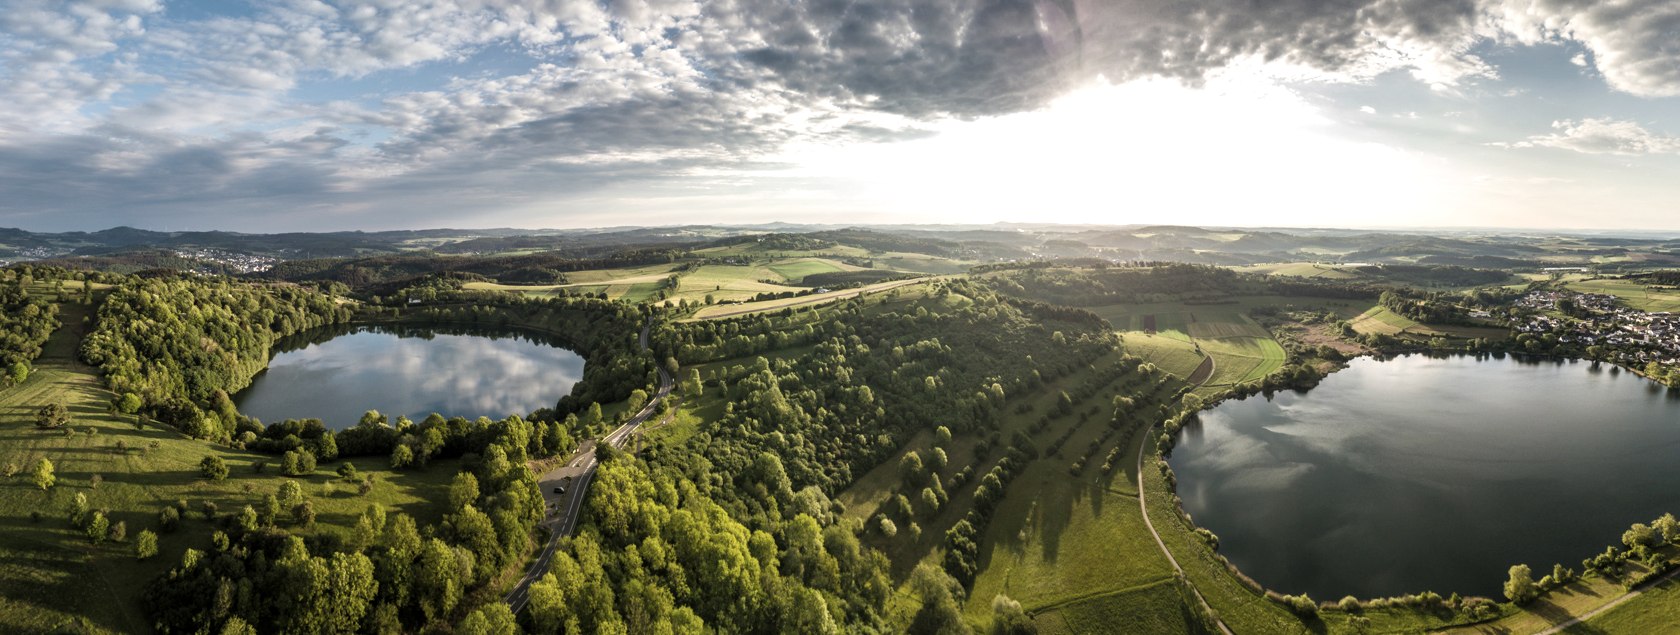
[(1553, 614)]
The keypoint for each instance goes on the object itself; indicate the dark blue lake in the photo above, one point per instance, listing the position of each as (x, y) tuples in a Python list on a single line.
[(1422, 473)]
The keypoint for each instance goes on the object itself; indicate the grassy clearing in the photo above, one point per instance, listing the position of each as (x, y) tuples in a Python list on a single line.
[(797, 269), (1156, 607), (746, 308), (50, 572), (1380, 320)]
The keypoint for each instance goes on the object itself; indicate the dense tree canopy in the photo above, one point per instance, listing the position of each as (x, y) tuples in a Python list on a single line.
[(25, 324), (182, 345)]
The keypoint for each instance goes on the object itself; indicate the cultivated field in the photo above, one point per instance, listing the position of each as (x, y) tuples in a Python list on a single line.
[(1185, 334)]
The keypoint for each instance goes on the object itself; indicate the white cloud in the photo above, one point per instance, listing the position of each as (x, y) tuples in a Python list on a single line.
[(1632, 42), (1603, 136)]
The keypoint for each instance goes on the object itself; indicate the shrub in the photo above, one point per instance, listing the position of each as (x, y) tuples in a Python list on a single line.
[(43, 474), (53, 415), (213, 468), (98, 527), (145, 545)]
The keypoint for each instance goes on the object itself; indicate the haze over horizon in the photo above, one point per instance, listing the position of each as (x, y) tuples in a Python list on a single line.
[(302, 115)]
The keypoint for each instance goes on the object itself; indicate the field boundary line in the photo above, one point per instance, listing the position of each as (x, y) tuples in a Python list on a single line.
[(1095, 595)]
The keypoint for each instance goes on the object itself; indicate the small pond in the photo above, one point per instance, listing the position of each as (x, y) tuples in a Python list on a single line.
[(337, 374), (1425, 473)]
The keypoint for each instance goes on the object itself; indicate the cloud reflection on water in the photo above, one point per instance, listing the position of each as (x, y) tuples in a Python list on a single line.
[(463, 375)]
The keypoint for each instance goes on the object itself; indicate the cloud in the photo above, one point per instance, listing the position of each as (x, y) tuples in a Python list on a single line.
[(1603, 136), (56, 57), (1632, 42), (346, 109)]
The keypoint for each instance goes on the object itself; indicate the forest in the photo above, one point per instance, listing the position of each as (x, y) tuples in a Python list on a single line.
[(25, 324), (174, 349)]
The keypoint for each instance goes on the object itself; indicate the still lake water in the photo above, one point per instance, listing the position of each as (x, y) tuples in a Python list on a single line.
[(1422, 473), (335, 375)]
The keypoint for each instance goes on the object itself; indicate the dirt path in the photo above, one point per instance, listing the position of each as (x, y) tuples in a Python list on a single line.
[(1203, 372), (1143, 506)]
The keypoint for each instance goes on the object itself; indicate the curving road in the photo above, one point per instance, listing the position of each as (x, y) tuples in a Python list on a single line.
[(564, 509)]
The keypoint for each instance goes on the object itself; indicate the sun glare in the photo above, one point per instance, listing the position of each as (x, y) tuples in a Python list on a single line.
[(1239, 150)]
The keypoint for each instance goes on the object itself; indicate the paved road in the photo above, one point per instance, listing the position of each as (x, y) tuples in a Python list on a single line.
[(564, 509)]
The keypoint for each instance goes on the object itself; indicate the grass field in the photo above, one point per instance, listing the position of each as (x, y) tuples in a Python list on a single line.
[(797, 269), (1633, 293), (734, 310), (1654, 611), (1057, 541), (759, 250), (50, 572), (1304, 270), (1381, 320), (1241, 349), (1561, 605), (1156, 607), (921, 263), (1171, 354), (1239, 360)]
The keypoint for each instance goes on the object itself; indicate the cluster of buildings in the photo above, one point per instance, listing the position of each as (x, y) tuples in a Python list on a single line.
[(1633, 336), (234, 261), (31, 253)]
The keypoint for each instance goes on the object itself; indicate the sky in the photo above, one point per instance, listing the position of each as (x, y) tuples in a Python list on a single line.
[(317, 115)]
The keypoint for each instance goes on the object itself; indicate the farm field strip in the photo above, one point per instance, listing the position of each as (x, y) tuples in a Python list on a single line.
[(735, 310)]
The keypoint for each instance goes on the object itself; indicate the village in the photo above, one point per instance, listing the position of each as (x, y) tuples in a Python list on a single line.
[(233, 261), (1630, 336)]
